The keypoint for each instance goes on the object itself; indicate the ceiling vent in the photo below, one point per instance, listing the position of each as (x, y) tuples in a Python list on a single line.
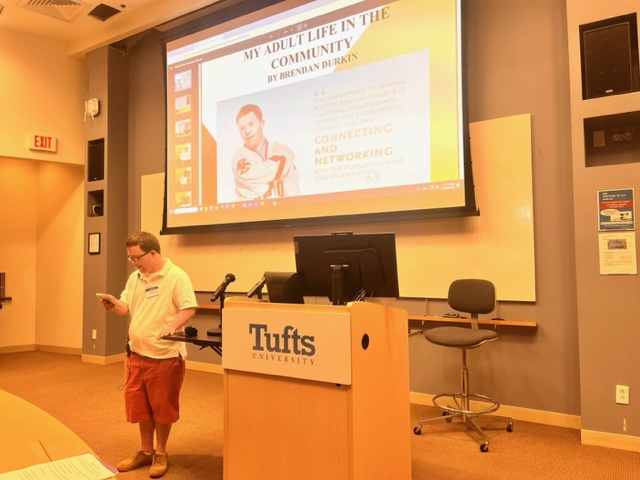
[(103, 12), (65, 10)]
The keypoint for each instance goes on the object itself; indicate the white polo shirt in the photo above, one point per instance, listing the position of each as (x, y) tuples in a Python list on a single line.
[(154, 300)]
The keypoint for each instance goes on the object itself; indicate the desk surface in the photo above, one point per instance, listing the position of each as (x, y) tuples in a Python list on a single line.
[(30, 436), (506, 323), (208, 306), (428, 318), (201, 339)]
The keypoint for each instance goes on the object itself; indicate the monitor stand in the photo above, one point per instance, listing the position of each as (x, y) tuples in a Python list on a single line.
[(337, 273)]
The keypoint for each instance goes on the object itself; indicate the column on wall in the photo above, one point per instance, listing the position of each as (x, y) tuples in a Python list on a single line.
[(105, 225), (605, 114)]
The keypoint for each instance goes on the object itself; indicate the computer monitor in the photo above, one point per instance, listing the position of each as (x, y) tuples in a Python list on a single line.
[(284, 287), (347, 266)]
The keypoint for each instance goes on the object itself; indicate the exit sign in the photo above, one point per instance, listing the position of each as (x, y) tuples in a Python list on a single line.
[(42, 142)]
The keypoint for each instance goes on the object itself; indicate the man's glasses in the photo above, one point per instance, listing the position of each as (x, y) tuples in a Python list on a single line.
[(135, 258)]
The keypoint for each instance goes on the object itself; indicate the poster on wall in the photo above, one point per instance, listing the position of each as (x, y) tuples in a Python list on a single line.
[(615, 209), (617, 253)]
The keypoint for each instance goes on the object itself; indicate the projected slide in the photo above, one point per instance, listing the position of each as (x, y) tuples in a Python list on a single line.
[(343, 139), (332, 108)]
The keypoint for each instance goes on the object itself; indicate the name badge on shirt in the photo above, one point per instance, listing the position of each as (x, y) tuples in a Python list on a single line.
[(151, 292)]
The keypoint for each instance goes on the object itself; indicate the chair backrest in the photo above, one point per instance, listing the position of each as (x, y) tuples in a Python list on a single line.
[(472, 295)]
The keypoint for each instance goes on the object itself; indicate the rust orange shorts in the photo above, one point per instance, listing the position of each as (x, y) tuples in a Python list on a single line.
[(152, 388)]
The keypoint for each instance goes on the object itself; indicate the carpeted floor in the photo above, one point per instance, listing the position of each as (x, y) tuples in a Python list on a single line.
[(87, 398)]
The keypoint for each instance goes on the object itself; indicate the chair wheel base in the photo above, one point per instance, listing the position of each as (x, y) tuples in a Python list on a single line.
[(461, 401), (466, 416)]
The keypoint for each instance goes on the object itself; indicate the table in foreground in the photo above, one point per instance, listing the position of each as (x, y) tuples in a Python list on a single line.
[(30, 436)]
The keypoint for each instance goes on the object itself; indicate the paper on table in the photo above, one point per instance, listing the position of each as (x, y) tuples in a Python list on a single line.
[(85, 466)]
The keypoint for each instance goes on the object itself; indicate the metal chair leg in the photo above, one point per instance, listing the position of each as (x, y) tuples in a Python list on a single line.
[(462, 408)]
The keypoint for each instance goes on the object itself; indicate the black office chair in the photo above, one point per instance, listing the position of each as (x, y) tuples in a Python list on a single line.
[(472, 296)]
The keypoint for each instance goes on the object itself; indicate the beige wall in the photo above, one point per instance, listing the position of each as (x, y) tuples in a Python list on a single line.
[(41, 205), (18, 231), (40, 92), (41, 242), (60, 243)]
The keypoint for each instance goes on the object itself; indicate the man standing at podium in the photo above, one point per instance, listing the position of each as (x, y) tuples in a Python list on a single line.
[(159, 299)]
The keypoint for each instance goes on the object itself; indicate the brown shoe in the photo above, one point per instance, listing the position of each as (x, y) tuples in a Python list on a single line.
[(137, 460), (159, 466)]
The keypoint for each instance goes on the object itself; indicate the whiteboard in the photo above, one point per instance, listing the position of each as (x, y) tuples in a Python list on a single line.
[(497, 245)]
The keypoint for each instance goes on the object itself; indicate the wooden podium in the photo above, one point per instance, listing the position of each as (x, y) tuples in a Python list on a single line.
[(316, 391)]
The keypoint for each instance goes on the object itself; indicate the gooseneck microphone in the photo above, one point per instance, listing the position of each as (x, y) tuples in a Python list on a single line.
[(228, 278), (257, 288)]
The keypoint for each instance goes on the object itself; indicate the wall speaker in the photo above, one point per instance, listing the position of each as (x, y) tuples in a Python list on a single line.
[(609, 54), (95, 160)]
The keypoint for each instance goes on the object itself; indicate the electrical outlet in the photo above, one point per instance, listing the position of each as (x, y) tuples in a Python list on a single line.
[(622, 394), (94, 334)]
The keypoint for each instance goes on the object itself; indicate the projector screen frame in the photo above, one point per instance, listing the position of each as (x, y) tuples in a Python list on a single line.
[(236, 17)]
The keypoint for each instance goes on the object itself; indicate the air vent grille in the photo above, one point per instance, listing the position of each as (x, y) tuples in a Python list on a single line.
[(65, 10), (103, 12)]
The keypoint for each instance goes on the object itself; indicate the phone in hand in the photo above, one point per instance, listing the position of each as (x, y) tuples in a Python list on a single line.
[(106, 297)]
